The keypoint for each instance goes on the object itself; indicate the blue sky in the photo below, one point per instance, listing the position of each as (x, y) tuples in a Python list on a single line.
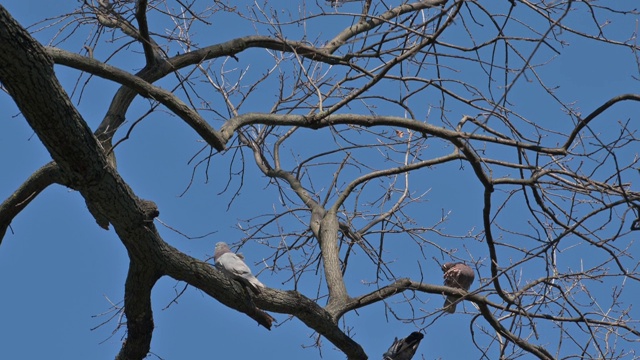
[(59, 271)]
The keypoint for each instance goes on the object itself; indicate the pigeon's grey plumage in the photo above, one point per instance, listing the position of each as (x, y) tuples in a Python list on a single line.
[(403, 349), (233, 264), (456, 275)]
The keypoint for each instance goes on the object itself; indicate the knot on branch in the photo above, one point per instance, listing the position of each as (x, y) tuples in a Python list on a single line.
[(149, 209)]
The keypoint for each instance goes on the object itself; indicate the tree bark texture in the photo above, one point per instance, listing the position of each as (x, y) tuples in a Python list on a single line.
[(80, 162)]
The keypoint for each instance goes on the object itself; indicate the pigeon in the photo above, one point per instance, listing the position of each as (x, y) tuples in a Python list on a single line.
[(403, 349), (456, 275), (233, 264)]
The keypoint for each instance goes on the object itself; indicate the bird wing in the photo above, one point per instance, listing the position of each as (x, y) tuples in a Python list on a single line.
[(234, 264), (392, 350), (459, 276), (404, 349), (451, 277)]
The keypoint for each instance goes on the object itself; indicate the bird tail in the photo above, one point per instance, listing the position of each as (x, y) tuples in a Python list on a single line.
[(450, 304), (252, 283), (255, 284)]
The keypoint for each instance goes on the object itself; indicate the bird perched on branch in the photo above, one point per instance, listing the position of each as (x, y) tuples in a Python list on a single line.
[(233, 264), (403, 349), (456, 275)]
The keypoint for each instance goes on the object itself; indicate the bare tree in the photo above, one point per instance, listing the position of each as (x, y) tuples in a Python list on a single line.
[(345, 120)]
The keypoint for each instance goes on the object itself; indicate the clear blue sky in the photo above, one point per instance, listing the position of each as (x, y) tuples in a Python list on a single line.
[(59, 271)]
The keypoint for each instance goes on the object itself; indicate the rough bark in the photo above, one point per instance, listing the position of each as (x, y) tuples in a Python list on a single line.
[(331, 261), (26, 71)]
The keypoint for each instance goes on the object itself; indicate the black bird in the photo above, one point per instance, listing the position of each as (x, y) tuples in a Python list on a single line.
[(403, 349)]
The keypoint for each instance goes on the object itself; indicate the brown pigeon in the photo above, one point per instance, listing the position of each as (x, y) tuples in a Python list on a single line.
[(403, 349), (233, 264), (456, 275)]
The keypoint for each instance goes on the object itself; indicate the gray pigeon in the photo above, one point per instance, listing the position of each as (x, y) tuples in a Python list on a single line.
[(403, 349), (233, 264), (456, 275)]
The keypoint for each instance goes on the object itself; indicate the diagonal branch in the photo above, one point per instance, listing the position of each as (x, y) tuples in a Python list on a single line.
[(364, 26), (172, 102), (213, 282), (584, 122), (29, 190)]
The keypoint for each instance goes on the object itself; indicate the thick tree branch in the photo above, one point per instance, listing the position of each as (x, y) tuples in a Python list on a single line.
[(27, 73), (34, 87), (212, 281), (328, 242), (137, 308), (230, 293), (581, 182), (315, 317)]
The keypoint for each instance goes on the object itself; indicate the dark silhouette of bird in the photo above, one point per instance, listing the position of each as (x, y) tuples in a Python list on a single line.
[(233, 264), (456, 275), (403, 349)]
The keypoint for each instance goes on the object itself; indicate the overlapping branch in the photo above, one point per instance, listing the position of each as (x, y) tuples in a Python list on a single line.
[(554, 171)]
